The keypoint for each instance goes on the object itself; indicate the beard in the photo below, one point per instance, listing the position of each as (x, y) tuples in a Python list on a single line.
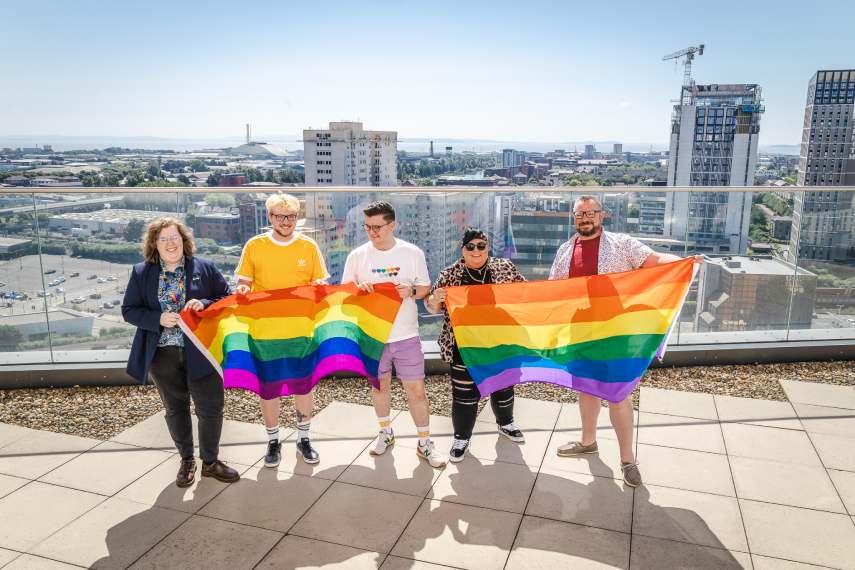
[(587, 229)]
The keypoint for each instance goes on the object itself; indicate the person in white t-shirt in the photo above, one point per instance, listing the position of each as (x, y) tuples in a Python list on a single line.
[(387, 259)]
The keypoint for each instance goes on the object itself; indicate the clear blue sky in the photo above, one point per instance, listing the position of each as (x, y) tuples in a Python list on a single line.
[(525, 71)]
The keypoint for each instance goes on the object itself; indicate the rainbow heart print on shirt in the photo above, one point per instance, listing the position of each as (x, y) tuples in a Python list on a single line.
[(386, 271)]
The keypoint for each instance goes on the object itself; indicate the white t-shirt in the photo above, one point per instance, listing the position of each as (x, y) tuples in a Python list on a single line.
[(404, 263)]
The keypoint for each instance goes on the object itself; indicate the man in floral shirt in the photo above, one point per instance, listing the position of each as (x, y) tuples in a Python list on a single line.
[(593, 251)]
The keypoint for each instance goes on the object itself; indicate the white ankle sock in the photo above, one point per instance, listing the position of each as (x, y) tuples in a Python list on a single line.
[(303, 429), (272, 433)]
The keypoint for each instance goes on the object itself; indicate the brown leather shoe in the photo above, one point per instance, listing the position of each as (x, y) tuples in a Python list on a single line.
[(186, 473), (220, 471)]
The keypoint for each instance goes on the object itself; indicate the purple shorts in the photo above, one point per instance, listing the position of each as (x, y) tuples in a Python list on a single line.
[(407, 358)]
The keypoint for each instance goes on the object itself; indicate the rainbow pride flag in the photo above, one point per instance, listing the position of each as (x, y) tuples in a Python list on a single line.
[(595, 334), (282, 342)]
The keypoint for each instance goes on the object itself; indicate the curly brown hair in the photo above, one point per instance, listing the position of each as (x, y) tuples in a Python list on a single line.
[(152, 231)]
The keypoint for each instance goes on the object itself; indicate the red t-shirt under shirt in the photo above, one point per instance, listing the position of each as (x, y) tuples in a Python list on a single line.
[(585, 257)]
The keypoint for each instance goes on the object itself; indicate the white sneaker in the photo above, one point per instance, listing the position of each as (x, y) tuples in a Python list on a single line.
[(431, 455), (385, 440), (458, 450)]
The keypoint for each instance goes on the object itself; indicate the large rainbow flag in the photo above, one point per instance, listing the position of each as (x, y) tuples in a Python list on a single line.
[(595, 334), (282, 342)]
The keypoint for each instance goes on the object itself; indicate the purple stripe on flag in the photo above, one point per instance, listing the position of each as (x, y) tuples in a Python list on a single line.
[(246, 380), (611, 391)]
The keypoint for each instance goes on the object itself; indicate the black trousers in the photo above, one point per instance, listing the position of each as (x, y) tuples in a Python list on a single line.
[(465, 398), (169, 373)]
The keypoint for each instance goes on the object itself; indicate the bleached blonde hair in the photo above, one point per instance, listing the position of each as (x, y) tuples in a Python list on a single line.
[(287, 200)]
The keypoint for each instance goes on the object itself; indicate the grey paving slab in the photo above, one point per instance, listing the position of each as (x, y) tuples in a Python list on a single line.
[(785, 484), (11, 432), (357, 516), (157, 487), (583, 499), (844, 482), (606, 463), (399, 470), (819, 394), (112, 535), (336, 453), (685, 469), (677, 403), (458, 535), (788, 446), (800, 535), (341, 418), (680, 432), (543, 543), (40, 452), (9, 484), (569, 423), (483, 483), (767, 563), (203, 542), (822, 419), (398, 563), (106, 468), (38, 510), (152, 433), (441, 431), (7, 556), (657, 554), (836, 452), (766, 413), (688, 516), (31, 562), (266, 498), (294, 552)]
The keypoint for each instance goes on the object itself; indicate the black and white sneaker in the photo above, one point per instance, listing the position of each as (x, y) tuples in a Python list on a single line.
[(274, 454), (458, 450), (310, 456), (511, 432)]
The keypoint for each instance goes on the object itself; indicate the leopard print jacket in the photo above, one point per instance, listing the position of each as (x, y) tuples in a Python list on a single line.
[(501, 271)]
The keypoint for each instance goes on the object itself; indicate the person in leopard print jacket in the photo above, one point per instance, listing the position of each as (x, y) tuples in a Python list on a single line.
[(476, 267)]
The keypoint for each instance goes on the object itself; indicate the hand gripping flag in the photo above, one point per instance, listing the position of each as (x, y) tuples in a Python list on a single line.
[(282, 342), (595, 334)]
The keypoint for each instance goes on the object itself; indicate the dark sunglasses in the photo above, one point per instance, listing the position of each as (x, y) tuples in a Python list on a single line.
[(471, 246)]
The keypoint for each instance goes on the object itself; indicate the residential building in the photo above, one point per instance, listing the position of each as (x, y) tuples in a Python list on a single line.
[(222, 227), (752, 293), (347, 155), (823, 225), (590, 151), (252, 210), (714, 137), (512, 158), (617, 148)]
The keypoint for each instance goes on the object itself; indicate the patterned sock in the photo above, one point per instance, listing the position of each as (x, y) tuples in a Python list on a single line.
[(303, 429), (385, 424), (273, 433), (424, 435)]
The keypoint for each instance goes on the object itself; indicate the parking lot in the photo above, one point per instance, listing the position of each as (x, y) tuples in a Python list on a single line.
[(89, 285)]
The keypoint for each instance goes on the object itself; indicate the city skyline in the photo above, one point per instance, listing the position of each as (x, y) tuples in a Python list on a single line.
[(444, 71)]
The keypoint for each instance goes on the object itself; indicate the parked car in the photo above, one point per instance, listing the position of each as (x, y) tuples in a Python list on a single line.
[(2, 284), (111, 278), (95, 296), (75, 274), (61, 279), (60, 289), (107, 306), (101, 280), (50, 271), (42, 293), (93, 276), (78, 300)]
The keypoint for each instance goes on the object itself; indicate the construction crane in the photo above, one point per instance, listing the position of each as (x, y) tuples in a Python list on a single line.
[(687, 55)]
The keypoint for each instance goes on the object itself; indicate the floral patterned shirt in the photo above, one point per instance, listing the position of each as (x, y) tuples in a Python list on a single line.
[(172, 294), (618, 252)]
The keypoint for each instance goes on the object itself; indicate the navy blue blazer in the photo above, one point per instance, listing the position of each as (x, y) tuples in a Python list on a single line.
[(141, 308)]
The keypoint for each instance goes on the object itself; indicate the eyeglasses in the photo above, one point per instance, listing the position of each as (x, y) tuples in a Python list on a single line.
[(167, 239), (586, 214), (371, 228), (471, 246), (283, 217)]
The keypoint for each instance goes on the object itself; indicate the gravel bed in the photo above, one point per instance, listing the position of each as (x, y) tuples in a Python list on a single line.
[(104, 412)]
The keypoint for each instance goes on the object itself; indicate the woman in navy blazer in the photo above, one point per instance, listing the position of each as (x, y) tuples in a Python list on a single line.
[(170, 279)]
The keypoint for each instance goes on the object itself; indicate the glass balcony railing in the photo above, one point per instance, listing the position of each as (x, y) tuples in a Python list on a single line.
[(780, 262)]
